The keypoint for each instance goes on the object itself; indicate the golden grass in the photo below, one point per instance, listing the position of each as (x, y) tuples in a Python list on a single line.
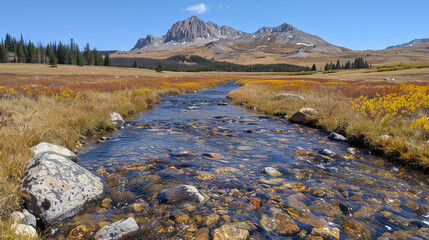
[(409, 133), (60, 108)]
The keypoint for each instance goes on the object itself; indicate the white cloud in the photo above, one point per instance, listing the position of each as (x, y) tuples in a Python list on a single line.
[(198, 9)]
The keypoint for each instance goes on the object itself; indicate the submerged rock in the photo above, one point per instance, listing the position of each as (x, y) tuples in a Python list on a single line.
[(118, 230), (337, 137), (271, 171), (48, 147), (58, 187), (230, 231), (116, 119), (181, 193), (203, 175), (275, 220)]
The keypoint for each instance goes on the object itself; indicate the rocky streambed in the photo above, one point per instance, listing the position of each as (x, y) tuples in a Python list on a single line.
[(197, 167)]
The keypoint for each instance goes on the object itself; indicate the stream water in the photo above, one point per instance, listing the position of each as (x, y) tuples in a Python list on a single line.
[(202, 140)]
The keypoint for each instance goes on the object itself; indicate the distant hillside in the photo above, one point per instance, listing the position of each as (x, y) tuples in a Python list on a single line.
[(194, 63), (414, 42)]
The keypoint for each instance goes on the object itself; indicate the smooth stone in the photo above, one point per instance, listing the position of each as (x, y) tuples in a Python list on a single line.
[(326, 232), (29, 219), (275, 220), (328, 152), (48, 147), (116, 119), (203, 175), (59, 188), (337, 137), (271, 171), (230, 231), (25, 230), (181, 193), (288, 95), (118, 230), (303, 115), (17, 217)]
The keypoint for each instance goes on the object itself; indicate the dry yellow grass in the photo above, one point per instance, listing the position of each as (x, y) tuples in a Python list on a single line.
[(45, 104)]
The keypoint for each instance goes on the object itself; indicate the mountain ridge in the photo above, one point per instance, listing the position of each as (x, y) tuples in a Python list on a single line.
[(194, 31), (414, 42)]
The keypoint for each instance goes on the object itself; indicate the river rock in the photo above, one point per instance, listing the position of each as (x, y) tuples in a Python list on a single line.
[(225, 170), (288, 95), (29, 218), (275, 220), (271, 171), (326, 232), (304, 116), (17, 217), (118, 230), (203, 175), (337, 137), (181, 193), (58, 187), (25, 230), (230, 231), (48, 147), (328, 152), (116, 119)]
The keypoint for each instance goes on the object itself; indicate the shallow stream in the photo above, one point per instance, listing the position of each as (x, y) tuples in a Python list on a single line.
[(202, 140)]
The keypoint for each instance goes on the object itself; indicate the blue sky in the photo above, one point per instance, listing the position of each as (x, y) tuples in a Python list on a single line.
[(113, 24)]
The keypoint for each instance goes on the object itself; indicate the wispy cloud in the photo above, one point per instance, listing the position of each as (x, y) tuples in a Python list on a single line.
[(198, 9)]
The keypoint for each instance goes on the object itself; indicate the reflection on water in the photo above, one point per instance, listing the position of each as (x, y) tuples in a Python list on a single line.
[(201, 140)]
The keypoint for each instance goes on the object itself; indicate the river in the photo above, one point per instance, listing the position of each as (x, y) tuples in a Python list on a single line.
[(200, 139)]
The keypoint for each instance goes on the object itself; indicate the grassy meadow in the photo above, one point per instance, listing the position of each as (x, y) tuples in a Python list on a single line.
[(63, 105)]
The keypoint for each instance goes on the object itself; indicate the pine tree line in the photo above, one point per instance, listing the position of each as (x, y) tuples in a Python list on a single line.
[(356, 64), (52, 53)]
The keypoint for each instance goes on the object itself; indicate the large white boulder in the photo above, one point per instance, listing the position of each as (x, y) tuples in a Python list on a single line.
[(48, 147), (58, 187)]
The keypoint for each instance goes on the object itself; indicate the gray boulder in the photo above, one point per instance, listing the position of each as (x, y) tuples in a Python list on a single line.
[(288, 95), (118, 230), (181, 193), (337, 137), (25, 230), (271, 171), (58, 187), (29, 218), (48, 147), (304, 116), (117, 119)]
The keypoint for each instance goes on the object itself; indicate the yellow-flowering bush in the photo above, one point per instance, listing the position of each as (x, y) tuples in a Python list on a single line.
[(407, 102)]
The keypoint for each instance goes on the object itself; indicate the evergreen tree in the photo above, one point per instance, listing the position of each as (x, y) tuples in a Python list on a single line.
[(3, 54), (135, 64), (338, 66), (159, 67), (106, 60), (326, 67), (20, 54), (313, 68), (348, 65), (52, 60)]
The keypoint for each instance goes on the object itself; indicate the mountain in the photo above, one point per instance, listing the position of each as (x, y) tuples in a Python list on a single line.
[(193, 31), (411, 43), (186, 33)]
